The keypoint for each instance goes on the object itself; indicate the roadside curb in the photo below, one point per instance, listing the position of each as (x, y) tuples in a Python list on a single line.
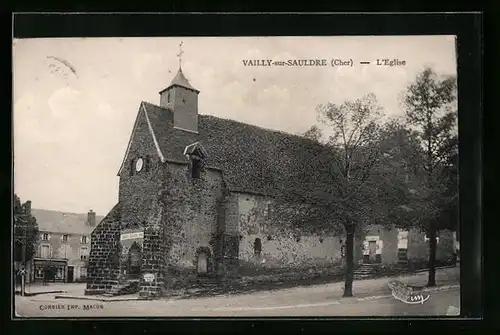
[(425, 290), (75, 297), (340, 300), (437, 268), (441, 288), (31, 294)]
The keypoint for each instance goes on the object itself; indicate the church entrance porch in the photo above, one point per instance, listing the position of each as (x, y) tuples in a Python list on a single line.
[(204, 262), (372, 250), (134, 262)]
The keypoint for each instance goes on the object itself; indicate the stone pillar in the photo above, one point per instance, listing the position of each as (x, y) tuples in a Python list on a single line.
[(230, 262), (152, 283)]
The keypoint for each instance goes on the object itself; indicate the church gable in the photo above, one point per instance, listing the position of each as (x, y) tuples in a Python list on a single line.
[(142, 145)]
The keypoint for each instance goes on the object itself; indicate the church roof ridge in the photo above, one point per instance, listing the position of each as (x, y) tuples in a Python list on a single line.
[(271, 130)]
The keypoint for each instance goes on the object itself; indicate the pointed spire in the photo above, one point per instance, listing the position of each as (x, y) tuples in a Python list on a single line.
[(180, 80)]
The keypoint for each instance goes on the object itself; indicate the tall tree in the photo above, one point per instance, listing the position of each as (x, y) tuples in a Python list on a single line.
[(358, 190), (25, 231), (430, 108)]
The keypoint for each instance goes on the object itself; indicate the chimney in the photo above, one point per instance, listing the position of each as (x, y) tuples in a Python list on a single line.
[(91, 218)]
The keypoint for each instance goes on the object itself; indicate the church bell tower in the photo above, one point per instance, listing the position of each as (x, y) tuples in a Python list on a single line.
[(182, 99)]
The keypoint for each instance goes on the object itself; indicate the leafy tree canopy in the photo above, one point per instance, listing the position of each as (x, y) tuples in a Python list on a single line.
[(25, 231)]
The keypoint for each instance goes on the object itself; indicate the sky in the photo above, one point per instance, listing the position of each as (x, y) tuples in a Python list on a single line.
[(76, 99)]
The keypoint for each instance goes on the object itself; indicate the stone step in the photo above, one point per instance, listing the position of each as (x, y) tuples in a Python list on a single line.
[(124, 288)]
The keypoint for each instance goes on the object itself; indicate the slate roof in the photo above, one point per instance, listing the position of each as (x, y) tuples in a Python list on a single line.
[(61, 222), (253, 159), (180, 80)]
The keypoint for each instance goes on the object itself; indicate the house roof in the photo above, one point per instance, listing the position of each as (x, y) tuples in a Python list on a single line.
[(181, 80), (62, 222), (253, 159)]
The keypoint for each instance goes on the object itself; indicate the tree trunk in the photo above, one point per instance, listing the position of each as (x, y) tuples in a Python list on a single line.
[(432, 224), (432, 255), (349, 258)]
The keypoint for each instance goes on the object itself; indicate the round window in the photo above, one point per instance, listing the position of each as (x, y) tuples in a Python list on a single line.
[(139, 164)]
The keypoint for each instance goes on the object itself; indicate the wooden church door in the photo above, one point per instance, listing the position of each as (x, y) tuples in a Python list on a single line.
[(135, 260), (202, 263)]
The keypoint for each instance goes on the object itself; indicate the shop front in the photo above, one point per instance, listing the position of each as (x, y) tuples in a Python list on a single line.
[(49, 270)]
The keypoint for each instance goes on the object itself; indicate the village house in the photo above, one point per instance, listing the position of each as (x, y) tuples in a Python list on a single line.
[(196, 201), (63, 245)]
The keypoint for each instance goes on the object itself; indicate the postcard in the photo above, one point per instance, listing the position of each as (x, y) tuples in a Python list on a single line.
[(235, 176)]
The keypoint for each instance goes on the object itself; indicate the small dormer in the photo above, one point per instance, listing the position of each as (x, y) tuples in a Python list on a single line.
[(196, 155)]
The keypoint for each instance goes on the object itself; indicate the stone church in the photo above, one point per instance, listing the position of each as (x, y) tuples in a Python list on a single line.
[(195, 200)]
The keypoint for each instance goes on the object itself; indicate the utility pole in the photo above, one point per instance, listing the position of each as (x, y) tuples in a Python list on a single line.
[(23, 276), (23, 239)]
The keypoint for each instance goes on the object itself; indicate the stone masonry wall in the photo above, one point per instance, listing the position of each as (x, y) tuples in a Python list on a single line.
[(281, 246), (228, 238), (389, 237), (139, 190), (192, 209), (104, 259), (153, 262), (418, 248)]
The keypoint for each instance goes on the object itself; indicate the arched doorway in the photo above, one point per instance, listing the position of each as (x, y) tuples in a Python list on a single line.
[(134, 261), (257, 247), (203, 261)]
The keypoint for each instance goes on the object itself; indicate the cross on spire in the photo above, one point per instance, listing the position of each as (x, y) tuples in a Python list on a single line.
[(179, 55)]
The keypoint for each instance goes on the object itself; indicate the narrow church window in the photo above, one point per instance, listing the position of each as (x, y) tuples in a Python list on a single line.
[(168, 97), (132, 167), (257, 247), (267, 210), (195, 168)]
